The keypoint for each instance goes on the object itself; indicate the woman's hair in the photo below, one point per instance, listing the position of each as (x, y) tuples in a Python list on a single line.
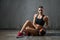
[(40, 6)]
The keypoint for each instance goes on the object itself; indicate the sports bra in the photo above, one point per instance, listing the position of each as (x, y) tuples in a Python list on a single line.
[(40, 21)]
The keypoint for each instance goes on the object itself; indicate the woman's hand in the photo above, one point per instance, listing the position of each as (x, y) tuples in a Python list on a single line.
[(46, 26)]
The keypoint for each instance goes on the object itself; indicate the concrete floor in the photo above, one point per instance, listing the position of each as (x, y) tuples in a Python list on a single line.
[(11, 35)]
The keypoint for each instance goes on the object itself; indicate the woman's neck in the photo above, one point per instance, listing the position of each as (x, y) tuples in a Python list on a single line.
[(40, 14)]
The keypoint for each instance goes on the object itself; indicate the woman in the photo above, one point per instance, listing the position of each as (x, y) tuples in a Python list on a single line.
[(35, 27)]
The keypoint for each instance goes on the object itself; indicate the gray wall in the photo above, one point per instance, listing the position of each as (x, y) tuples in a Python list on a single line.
[(14, 13)]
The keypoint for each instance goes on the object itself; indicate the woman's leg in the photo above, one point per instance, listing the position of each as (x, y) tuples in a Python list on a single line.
[(34, 32), (42, 31), (27, 23), (31, 31)]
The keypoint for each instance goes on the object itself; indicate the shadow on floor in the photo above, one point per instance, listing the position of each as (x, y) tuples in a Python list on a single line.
[(52, 34)]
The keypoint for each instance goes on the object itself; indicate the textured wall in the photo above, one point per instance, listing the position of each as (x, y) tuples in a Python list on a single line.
[(16, 12)]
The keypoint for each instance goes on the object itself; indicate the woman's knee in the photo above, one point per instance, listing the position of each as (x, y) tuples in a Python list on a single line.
[(27, 20), (29, 23)]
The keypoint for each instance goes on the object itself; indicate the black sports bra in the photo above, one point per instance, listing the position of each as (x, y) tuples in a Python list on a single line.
[(40, 21)]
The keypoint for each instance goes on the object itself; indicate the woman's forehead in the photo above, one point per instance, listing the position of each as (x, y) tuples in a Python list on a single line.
[(39, 8)]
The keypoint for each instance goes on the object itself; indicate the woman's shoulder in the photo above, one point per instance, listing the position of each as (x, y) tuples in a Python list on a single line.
[(45, 17), (35, 15)]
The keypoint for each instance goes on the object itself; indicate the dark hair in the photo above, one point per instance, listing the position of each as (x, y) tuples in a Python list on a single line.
[(40, 6)]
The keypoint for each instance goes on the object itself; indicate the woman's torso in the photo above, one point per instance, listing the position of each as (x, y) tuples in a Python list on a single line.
[(39, 20)]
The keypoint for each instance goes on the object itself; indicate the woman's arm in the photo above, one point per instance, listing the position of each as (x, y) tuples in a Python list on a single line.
[(46, 20), (34, 24)]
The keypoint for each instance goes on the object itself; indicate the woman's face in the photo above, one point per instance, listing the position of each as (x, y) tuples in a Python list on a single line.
[(40, 10)]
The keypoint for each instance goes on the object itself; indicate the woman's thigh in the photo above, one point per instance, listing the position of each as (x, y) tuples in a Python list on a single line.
[(32, 31), (30, 24)]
